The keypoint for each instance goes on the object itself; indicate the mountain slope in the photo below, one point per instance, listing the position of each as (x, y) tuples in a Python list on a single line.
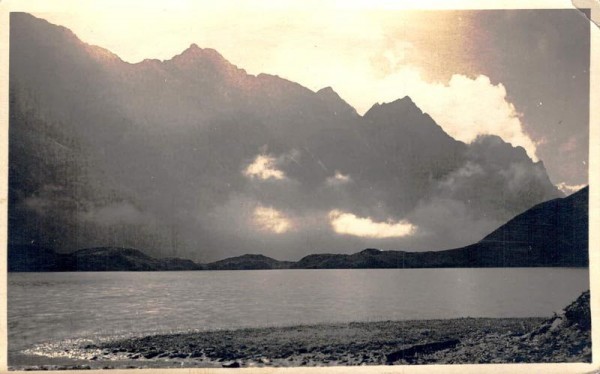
[(153, 155), (556, 230)]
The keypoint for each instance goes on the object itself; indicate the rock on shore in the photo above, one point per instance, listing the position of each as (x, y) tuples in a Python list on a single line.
[(566, 337)]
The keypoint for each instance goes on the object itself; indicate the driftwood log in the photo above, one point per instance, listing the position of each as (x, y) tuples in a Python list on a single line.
[(412, 353)]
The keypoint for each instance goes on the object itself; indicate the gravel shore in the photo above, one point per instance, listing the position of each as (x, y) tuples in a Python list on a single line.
[(344, 344), (565, 337)]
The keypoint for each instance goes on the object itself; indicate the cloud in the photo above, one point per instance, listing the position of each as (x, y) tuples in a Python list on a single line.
[(393, 55), (464, 107), (338, 179), (457, 178), (271, 220), (518, 177), (467, 108), (496, 181), (121, 213), (349, 224), (264, 167), (446, 223), (53, 201), (569, 188)]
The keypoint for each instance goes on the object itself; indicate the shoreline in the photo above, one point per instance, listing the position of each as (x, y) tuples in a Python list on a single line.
[(565, 337), (448, 341)]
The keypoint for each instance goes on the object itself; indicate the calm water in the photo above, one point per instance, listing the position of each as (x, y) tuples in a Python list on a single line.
[(44, 307)]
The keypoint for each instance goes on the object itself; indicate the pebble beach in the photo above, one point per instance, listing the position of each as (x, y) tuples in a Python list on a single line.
[(565, 337)]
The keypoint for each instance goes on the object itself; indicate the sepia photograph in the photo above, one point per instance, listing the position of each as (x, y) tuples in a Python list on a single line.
[(297, 184)]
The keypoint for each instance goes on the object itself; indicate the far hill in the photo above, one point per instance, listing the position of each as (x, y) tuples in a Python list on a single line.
[(553, 233), (38, 259), (248, 262), (125, 259)]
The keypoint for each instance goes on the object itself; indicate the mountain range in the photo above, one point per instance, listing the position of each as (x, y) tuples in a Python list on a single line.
[(554, 233), (193, 157)]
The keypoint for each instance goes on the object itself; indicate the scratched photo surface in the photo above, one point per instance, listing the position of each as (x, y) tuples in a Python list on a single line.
[(249, 187)]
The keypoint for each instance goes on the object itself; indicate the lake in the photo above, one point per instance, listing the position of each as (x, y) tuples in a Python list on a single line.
[(47, 307)]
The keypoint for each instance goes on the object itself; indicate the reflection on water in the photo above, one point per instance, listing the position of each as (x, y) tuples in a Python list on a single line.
[(47, 307)]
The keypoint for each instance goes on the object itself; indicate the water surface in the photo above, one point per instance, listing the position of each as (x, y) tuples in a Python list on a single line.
[(46, 307)]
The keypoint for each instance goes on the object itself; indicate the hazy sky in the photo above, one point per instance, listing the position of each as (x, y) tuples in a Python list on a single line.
[(520, 75)]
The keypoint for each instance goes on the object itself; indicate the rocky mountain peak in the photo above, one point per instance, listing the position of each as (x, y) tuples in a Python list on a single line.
[(334, 101), (396, 107), (194, 56)]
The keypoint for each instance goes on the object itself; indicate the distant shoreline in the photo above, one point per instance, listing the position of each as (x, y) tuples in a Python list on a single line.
[(295, 269)]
